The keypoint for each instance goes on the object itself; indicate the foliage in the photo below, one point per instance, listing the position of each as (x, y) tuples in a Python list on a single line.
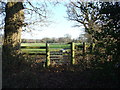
[(111, 26), (85, 13), (13, 23), (101, 21)]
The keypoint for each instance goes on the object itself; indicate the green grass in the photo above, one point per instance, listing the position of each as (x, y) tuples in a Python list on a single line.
[(43, 45), (32, 47), (35, 47), (0, 46), (41, 50)]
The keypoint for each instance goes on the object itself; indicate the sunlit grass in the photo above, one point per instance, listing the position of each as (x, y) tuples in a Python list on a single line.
[(35, 47), (60, 46), (53, 47), (33, 44)]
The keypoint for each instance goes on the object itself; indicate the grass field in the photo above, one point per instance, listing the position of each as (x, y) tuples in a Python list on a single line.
[(35, 47), (41, 47), (43, 44)]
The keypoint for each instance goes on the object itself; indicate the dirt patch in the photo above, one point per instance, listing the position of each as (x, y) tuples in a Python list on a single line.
[(59, 77)]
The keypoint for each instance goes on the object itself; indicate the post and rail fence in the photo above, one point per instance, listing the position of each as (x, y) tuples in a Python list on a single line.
[(34, 49)]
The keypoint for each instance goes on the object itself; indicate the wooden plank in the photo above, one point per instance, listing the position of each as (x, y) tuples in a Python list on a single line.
[(33, 50), (33, 47), (35, 53), (55, 55), (55, 58), (57, 61)]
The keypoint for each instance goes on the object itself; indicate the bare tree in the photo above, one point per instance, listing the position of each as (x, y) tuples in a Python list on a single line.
[(14, 20), (24, 14), (87, 14)]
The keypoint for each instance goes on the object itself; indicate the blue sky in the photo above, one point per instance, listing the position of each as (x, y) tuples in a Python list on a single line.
[(59, 26)]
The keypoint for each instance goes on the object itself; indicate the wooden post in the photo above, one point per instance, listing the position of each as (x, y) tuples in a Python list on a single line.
[(72, 53), (47, 55), (91, 47), (84, 50), (84, 47)]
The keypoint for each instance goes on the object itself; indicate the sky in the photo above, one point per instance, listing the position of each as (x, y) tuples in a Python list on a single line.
[(58, 27)]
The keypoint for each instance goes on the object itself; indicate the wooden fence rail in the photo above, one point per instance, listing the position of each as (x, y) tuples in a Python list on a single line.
[(35, 50)]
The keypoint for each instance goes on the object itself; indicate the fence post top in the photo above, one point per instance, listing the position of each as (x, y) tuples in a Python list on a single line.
[(84, 42), (47, 43), (69, 43)]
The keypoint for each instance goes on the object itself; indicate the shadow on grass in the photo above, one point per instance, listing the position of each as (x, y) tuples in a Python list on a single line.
[(31, 75)]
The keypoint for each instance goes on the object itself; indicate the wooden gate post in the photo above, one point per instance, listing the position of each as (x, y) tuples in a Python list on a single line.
[(47, 55), (91, 47), (84, 50), (72, 53), (84, 47)]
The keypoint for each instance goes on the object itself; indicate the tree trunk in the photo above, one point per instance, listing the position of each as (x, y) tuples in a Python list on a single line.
[(12, 32)]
